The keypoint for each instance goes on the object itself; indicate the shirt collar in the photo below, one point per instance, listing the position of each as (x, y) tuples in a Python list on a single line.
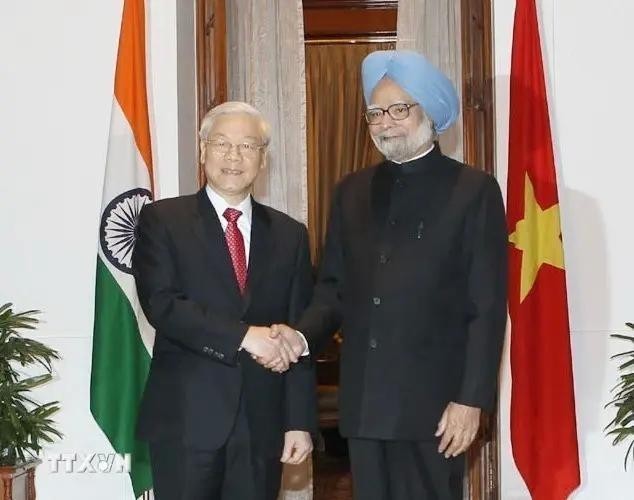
[(220, 204)]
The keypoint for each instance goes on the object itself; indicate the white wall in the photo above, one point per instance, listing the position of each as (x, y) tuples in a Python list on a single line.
[(56, 84), (591, 76)]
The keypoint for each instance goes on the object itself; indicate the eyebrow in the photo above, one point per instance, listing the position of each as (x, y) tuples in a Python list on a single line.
[(248, 137), (376, 106)]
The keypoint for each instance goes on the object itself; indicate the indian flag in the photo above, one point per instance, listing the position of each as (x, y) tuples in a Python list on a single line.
[(122, 338)]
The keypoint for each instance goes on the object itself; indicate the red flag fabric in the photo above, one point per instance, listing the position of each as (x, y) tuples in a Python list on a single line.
[(543, 424)]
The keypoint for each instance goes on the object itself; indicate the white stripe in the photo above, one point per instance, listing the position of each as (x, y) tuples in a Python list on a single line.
[(125, 170)]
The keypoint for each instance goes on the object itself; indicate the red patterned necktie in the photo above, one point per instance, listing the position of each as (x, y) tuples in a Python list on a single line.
[(235, 242)]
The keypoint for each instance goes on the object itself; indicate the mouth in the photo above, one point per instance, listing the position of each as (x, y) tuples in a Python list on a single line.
[(390, 137), (231, 171), (391, 134)]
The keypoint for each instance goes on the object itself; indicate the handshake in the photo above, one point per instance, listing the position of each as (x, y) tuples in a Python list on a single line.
[(274, 347)]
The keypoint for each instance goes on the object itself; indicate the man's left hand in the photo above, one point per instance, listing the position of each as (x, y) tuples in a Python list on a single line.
[(297, 446), (458, 427)]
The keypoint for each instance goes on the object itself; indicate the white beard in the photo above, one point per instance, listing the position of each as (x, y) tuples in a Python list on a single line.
[(403, 148)]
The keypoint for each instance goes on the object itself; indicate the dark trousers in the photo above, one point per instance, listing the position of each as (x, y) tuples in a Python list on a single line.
[(232, 472), (404, 470)]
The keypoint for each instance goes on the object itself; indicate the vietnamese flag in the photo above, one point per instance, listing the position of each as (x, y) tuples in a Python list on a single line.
[(543, 425)]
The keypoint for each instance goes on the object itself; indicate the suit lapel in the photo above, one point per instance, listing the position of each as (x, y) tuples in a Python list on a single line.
[(260, 251), (207, 227)]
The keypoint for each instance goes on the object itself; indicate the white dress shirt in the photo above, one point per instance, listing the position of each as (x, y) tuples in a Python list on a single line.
[(244, 225)]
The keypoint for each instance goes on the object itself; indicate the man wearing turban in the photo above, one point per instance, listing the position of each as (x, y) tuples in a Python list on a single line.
[(414, 274)]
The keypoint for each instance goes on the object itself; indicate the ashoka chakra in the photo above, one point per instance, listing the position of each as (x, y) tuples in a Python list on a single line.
[(117, 233)]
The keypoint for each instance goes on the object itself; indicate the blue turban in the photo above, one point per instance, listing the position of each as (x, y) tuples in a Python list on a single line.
[(427, 85)]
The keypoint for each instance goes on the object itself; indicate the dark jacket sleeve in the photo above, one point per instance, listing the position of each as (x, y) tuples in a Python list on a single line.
[(166, 307), (300, 382), (486, 240), (324, 314)]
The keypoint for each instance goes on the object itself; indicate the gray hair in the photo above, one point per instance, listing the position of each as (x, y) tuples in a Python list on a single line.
[(234, 107)]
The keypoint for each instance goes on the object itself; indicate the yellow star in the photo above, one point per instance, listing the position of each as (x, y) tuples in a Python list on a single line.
[(537, 235)]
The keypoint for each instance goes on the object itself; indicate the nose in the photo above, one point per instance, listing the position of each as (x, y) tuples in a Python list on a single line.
[(233, 156)]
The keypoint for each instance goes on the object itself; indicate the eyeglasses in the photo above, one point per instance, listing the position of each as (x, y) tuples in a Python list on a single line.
[(398, 111), (245, 149)]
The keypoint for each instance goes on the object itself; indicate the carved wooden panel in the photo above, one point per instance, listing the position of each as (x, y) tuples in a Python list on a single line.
[(349, 19), (211, 58), (479, 144), (477, 83), (347, 4), (211, 47)]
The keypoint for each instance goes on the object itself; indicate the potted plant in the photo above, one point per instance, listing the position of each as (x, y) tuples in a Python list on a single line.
[(24, 424), (622, 426)]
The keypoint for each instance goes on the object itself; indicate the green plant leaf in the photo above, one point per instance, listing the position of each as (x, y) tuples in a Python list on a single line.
[(621, 354), (622, 337), (627, 364), (24, 424)]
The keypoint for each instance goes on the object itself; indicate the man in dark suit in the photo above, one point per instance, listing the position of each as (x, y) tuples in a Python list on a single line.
[(212, 271), (414, 273)]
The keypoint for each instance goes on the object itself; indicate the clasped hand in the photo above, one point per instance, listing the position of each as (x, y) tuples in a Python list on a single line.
[(274, 347)]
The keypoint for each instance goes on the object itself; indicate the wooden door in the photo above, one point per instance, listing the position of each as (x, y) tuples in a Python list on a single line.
[(373, 22)]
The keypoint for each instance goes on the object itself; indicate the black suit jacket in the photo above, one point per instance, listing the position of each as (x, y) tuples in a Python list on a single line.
[(189, 293), (414, 272)]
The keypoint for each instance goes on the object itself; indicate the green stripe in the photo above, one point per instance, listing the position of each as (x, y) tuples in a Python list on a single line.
[(120, 364)]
